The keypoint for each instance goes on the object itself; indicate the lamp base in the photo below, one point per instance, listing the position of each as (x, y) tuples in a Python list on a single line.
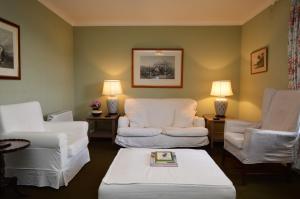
[(221, 107), (112, 105)]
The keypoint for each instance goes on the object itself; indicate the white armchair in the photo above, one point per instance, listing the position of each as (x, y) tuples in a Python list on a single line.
[(57, 152), (274, 140)]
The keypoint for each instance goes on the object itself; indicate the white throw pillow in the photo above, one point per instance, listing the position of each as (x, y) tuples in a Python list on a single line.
[(138, 118), (184, 117)]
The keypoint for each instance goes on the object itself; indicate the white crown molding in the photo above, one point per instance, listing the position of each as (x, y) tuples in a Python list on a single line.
[(258, 10), (126, 23), (57, 11), (48, 4)]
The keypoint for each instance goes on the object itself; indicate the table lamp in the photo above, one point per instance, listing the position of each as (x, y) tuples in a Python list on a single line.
[(221, 89), (111, 88)]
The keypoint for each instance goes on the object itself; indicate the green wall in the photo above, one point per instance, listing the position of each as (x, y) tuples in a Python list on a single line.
[(210, 53), (269, 28), (46, 57)]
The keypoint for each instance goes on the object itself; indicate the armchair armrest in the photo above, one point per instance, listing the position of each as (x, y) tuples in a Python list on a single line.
[(198, 122), (78, 127), (40, 139), (123, 122), (268, 145), (239, 126)]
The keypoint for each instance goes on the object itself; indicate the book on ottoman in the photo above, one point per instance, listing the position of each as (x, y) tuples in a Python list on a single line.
[(163, 159)]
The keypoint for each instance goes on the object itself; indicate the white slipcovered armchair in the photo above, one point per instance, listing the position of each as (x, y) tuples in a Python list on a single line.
[(275, 138), (57, 152)]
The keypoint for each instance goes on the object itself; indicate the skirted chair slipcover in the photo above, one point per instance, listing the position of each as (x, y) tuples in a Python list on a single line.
[(57, 152), (274, 139)]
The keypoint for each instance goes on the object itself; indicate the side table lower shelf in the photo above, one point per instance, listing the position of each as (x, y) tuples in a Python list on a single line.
[(103, 126)]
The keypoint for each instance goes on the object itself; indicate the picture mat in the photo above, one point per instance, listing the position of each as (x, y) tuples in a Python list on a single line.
[(157, 82)]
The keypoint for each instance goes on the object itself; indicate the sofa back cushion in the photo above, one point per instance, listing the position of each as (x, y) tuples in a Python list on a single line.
[(160, 112), (21, 117), (283, 111)]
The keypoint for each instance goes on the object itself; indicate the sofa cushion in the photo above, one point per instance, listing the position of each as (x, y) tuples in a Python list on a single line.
[(185, 113), (185, 132), (158, 113), (236, 139), (138, 132), (137, 118)]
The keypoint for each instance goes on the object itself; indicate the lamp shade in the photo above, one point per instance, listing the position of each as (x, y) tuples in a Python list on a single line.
[(112, 87), (221, 88)]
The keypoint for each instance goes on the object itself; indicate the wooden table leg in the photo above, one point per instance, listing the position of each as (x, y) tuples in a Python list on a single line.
[(113, 130)]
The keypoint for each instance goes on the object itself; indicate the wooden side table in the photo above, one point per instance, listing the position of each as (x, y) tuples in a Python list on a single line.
[(103, 126), (215, 129), (9, 146)]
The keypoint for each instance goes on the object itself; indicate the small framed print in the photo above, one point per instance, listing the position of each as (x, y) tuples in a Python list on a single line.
[(9, 50), (259, 60), (157, 68)]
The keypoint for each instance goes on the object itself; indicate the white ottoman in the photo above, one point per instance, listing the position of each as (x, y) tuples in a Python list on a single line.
[(196, 177)]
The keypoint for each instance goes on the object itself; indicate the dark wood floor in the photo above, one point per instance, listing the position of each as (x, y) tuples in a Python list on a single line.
[(85, 184)]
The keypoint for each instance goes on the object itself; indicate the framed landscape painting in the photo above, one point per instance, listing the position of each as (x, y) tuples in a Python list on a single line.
[(259, 60), (157, 68), (9, 50)]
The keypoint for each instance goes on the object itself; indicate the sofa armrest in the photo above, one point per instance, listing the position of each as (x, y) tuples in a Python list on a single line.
[(40, 139), (198, 122), (239, 126), (123, 122)]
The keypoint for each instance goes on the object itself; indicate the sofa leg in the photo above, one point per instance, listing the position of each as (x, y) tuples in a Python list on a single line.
[(288, 172)]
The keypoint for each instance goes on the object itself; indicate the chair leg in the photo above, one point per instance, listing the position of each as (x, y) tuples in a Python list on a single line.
[(244, 171), (223, 158)]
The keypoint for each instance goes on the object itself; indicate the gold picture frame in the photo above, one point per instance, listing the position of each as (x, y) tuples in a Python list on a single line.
[(259, 61)]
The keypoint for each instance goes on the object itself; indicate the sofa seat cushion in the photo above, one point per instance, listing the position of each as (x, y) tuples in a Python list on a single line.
[(236, 139), (138, 132), (185, 132)]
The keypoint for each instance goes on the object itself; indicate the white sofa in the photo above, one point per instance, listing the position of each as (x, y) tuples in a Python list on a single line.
[(57, 152), (161, 123)]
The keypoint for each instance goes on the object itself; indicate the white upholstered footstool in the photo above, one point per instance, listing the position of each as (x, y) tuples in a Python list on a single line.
[(196, 177)]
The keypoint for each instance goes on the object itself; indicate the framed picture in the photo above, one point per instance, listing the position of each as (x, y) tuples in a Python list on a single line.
[(259, 60), (157, 68), (9, 50)]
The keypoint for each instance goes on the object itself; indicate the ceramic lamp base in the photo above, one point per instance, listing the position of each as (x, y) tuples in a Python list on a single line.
[(221, 107), (112, 105)]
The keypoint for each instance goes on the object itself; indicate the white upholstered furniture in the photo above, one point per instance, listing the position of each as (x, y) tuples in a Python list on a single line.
[(197, 176), (161, 123), (57, 152), (274, 139)]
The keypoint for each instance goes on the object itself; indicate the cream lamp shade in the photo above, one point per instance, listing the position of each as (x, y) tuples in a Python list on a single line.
[(112, 88), (221, 89)]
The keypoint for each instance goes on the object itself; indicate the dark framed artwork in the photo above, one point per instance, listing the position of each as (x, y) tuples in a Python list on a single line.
[(157, 68), (9, 50), (259, 60)]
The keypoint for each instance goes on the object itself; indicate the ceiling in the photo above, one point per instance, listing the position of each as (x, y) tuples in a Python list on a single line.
[(156, 12)]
